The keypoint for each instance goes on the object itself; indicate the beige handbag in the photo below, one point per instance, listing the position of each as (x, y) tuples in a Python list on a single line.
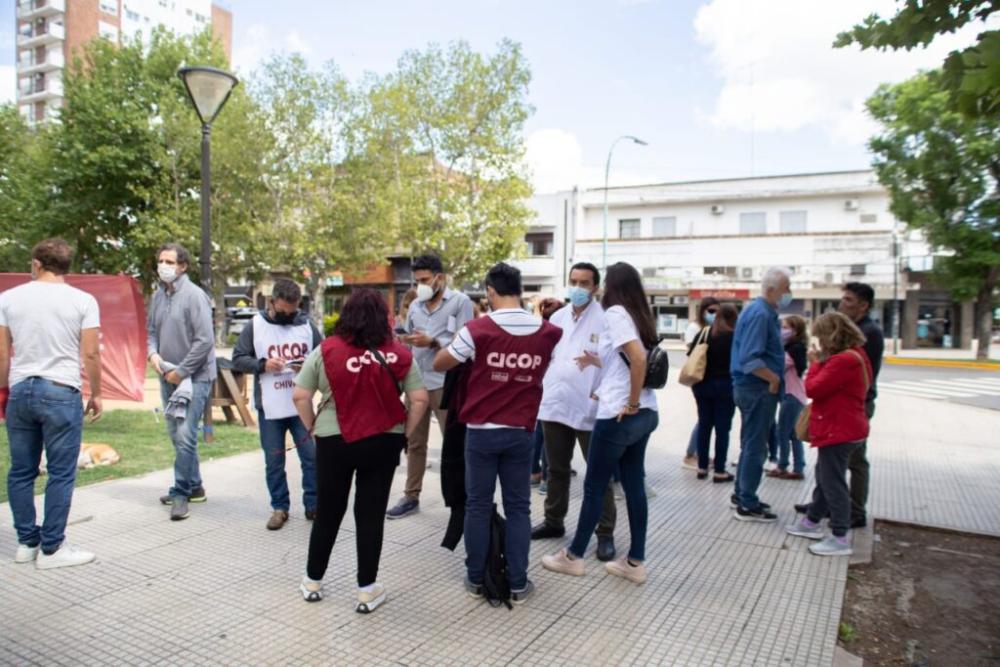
[(693, 370)]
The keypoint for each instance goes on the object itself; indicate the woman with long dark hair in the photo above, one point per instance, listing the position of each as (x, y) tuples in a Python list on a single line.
[(714, 394), (361, 427), (708, 309), (626, 417)]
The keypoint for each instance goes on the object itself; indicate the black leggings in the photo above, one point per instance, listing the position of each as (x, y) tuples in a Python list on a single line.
[(374, 460)]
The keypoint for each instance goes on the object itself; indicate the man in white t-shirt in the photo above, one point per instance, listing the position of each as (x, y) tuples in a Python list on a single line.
[(45, 325)]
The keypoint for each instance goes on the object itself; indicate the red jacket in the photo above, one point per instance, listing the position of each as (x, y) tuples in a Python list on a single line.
[(838, 387)]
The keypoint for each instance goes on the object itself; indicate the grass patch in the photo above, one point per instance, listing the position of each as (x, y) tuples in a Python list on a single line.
[(846, 632), (143, 445)]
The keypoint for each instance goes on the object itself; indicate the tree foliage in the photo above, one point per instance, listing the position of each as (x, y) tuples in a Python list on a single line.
[(942, 171), (970, 75)]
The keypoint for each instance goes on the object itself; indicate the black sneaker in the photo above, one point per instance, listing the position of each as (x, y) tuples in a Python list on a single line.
[(759, 515), (198, 495), (179, 509), (521, 596), (544, 531), (605, 548), (802, 508), (736, 503), (473, 590), (861, 522)]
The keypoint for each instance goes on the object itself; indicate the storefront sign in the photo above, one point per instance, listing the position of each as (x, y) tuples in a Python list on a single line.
[(721, 294)]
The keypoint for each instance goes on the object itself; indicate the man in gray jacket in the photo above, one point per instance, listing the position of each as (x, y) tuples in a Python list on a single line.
[(179, 331)]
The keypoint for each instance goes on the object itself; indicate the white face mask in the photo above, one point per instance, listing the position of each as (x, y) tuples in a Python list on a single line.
[(426, 292), (167, 273)]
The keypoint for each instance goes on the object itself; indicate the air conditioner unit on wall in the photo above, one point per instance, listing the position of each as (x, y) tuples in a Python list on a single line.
[(746, 272), (718, 209), (851, 205)]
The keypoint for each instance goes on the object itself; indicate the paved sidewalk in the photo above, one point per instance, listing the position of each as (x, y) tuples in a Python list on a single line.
[(220, 589)]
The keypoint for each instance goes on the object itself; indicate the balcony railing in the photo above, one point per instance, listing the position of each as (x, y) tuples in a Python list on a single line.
[(36, 9), (49, 34), (29, 64)]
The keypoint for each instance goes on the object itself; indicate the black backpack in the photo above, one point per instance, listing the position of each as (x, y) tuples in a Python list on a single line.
[(496, 588), (657, 367)]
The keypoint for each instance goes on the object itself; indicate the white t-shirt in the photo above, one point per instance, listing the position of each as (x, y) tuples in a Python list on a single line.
[(615, 385), (45, 320)]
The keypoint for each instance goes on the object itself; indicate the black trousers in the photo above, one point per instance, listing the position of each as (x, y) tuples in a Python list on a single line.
[(832, 497), (560, 441), (373, 462), (861, 474)]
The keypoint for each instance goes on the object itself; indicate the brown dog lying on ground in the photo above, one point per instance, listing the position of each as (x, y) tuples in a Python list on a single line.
[(91, 455)]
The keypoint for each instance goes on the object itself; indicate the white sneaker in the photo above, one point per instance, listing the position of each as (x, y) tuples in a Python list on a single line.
[(66, 556), (801, 529), (562, 563), (621, 568), (369, 602), (312, 591), (26, 554), (830, 546)]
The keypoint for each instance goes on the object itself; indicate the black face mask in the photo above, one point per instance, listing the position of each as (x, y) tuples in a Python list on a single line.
[(283, 318)]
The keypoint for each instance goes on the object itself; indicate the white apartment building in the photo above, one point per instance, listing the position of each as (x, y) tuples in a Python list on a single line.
[(716, 238), (50, 33)]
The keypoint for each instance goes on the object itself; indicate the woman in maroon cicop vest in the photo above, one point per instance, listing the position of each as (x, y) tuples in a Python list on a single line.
[(361, 427)]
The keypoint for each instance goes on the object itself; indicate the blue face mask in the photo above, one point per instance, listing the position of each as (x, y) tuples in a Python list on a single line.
[(709, 318), (785, 301), (578, 296)]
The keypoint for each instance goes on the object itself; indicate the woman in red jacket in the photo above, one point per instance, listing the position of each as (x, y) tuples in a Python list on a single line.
[(837, 383)]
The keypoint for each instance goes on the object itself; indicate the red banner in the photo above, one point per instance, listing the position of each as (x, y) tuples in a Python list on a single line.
[(720, 294), (123, 330)]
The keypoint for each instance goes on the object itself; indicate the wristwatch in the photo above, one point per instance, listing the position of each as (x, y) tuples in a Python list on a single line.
[(633, 406)]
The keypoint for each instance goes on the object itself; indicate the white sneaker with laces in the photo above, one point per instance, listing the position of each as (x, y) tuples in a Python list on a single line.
[(312, 591), (66, 556), (831, 546), (562, 563), (801, 529), (26, 554), (620, 567)]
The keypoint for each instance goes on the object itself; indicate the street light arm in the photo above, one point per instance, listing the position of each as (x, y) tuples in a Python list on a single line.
[(607, 172)]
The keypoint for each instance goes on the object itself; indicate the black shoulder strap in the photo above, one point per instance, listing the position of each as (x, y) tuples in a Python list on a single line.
[(381, 360)]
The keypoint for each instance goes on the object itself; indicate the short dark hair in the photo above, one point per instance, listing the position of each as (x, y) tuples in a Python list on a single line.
[(430, 263), (505, 279), (863, 291), (55, 255), (183, 256), (587, 266), (286, 290), (364, 319)]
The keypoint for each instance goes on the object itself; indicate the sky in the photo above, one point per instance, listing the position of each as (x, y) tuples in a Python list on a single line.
[(718, 88)]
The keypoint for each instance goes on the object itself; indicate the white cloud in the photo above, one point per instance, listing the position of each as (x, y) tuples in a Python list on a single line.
[(8, 83), (258, 42), (780, 72), (555, 159)]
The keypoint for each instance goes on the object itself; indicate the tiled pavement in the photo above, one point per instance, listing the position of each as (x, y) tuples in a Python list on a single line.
[(220, 589)]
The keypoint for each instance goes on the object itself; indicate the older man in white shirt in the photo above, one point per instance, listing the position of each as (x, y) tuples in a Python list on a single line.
[(567, 411)]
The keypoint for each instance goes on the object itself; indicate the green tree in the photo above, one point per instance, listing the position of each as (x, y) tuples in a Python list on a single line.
[(970, 75), (22, 193), (942, 171), (446, 129)]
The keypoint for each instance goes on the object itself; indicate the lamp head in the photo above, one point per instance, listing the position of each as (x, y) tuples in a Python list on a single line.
[(208, 88)]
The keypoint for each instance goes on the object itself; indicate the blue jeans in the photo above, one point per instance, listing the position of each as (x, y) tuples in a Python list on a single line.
[(272, 441), (539, 463), (184, 435), (787, 416), (40, 415), (715, 412), (692, 449), (489, 453), (623, 444), (757, 407)]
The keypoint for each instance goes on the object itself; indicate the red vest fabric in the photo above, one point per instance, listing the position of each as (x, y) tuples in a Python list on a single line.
[(505, 381), (367, 398)]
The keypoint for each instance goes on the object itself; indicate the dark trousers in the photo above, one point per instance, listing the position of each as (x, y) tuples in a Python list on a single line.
[(860, 475), (560, 440), (539, 463), (715, 412), (831, 496), (373, 462)]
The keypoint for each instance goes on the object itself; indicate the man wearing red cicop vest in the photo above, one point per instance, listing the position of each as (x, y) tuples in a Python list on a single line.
[(511, 350)]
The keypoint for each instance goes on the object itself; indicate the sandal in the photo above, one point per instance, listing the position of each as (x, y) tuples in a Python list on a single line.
[(721, 479), (777, 473), (702, 474)]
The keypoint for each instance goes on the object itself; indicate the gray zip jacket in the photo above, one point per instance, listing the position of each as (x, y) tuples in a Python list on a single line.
[(179, 329)]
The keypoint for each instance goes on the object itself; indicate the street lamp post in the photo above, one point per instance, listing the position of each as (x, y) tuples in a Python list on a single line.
[(607, 171), (895, 292), (209, 89)]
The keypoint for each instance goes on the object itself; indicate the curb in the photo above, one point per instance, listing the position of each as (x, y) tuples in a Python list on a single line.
[(942, 363)]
